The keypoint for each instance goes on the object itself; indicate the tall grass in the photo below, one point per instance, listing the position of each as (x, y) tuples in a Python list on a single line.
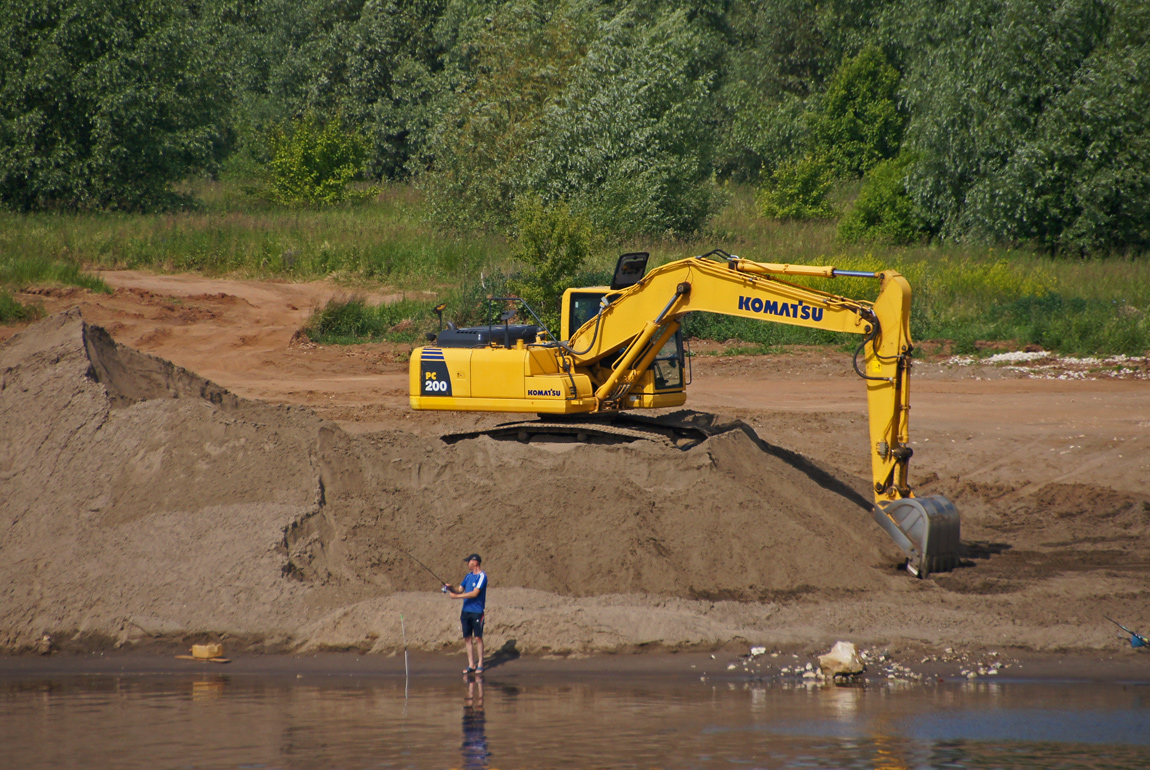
[(967, 295), (11, 310), (384, 240), (22, 272)]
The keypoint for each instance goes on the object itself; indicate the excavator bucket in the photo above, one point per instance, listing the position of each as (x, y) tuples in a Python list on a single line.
[(926, 529)]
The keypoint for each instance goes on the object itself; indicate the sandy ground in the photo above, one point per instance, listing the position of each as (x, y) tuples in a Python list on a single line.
[(264, 491)]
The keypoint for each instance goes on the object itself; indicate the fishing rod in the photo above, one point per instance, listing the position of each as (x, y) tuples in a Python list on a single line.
[(1136, 639), (442, 582)]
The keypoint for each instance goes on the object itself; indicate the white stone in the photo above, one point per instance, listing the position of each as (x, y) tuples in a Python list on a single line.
[(843, 659)]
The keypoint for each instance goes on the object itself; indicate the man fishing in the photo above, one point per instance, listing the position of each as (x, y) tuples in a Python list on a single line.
[(473, 591)]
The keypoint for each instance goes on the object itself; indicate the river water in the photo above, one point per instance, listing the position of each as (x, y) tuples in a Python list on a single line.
[(213, 719)]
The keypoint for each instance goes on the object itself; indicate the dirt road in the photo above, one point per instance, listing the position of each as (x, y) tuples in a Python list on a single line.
[(1049, 467)]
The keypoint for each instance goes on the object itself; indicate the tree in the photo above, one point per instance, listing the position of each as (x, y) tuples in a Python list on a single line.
[(105, 103), (855, 125), (630, 141), (507, 69), (608, 109), (858, 123), (1031, 120)]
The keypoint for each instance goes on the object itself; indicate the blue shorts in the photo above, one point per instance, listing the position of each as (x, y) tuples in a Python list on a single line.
[(472, 623)]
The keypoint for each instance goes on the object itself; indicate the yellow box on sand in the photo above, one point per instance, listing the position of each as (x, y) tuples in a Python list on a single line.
[(214, 650)]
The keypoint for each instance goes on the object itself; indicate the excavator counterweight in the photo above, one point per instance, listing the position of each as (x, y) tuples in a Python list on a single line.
[(621, 348)]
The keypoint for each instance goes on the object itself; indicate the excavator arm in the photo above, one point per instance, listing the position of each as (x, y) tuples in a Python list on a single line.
[(641, 318)]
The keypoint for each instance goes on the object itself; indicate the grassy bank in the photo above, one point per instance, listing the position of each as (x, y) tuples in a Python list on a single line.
[(966, 295)]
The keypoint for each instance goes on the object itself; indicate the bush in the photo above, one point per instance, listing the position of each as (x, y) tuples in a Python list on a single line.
[(313, 163), (351, 321), (105, 104), (11, 310), (883, 212), (553, 244), (798, 190)]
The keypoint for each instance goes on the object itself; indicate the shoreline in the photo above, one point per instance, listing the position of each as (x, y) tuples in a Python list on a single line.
[(1128, 667)]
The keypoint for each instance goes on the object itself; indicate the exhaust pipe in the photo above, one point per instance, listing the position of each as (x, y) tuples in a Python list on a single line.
[(926, 529)]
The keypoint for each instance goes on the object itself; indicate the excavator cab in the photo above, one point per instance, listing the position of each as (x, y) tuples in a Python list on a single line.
[(668, 371)]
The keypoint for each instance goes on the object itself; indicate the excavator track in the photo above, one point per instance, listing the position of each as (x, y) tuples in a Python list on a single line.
[(678, 430)]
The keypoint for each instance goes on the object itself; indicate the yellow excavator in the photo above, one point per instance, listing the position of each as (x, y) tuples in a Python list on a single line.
[(621, 348)]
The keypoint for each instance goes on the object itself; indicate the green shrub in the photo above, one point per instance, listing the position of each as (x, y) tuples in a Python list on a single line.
[(798, 190), (352, 320), (883, 212), (11, 310), (312, 162), (553, 244)]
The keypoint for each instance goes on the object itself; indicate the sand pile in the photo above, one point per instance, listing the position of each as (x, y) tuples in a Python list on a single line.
[(142, 500)]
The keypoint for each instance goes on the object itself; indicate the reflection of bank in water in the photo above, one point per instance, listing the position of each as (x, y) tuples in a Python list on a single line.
[(474, 747)]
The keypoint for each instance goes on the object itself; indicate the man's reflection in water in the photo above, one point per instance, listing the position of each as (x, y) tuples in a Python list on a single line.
[(474, 746)]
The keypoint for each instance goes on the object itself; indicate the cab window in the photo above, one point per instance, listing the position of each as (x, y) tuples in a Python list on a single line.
[(584, 306), (668, 365)]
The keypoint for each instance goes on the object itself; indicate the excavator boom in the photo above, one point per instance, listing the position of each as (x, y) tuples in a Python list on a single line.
[(627, 354)]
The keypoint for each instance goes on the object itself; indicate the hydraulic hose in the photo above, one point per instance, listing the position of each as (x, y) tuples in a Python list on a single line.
[(870, 337), (563, 344)]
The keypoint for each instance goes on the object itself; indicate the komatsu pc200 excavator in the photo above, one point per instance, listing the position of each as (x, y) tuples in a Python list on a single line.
[(621, 348)]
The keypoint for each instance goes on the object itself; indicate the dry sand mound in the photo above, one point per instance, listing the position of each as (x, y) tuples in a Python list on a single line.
[(139, 498)]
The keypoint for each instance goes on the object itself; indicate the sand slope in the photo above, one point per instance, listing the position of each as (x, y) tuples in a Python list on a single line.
[(141, 500), (141, 504)]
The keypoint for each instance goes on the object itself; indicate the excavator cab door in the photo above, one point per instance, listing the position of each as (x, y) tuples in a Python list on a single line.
[(668, 364)]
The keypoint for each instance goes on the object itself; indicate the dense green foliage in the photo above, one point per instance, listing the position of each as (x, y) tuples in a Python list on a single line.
[(798, 189), (1032, 120), (105, 103), (605, 110), (1028, 121), (858, 123)]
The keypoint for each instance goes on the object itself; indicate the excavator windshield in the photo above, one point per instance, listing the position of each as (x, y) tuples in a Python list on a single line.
[(581, 308)]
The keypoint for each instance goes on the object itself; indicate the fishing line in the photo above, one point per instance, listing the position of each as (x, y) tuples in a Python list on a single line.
[(417, 561)]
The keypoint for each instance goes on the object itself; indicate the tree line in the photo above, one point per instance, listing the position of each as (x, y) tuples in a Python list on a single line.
[(1007, 121)]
